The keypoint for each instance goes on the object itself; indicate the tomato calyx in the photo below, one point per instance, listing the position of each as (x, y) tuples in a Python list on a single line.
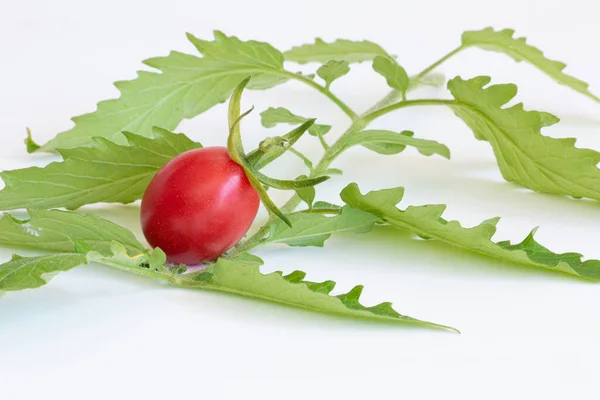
[(269, 151)]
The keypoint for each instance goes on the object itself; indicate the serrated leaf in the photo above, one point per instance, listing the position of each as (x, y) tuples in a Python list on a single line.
[(245, 278), (62, 231), (273, 116), (184, 87), (103, 172), (341, 49), (427, 221), (32, 272), (395, 76), (503, 41), (524, 155), (314, 229), (332, 70), (389, 142)]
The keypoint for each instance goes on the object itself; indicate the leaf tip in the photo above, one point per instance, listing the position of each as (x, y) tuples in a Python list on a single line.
[(31, 145)]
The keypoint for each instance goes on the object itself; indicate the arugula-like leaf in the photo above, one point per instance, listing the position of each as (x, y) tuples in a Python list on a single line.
[(32, 272), (241, 276), (389, 142), (244, 278), (427, 221), (273, 116), (503, 41), (186, 87), (394, 74), (524, 155), (103, 172), (341, 49), (64, 231), (332, 70), (310, 229)]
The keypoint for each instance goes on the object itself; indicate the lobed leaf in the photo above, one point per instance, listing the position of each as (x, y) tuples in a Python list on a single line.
[(524, 155), (185, 87), (341, 50), (427, 222), (389, 142), (103, 172), (32, 272), (63, 231), (503, 41), (310, 229), (244, 278)]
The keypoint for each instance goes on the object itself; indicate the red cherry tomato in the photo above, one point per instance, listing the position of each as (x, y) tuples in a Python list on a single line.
[(199, 205)]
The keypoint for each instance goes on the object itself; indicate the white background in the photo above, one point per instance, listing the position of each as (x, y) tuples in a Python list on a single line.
[(96, 333)]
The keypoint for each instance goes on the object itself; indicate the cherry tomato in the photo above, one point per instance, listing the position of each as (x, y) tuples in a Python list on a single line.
[(199, 205)]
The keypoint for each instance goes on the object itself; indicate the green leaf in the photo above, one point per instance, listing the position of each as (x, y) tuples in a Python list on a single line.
[(310, 229), (62, 231), (273, 116), (503, 41), (332, 70), (30, 144), (306, 194), (524, 155), (245, 278), (427, 221), (389, 142), (32, 272), (394, 74), (325, 205), (103, 172), (183, 87), (342, 50)]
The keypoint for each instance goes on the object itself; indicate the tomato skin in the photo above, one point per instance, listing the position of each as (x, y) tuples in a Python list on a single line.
[(199, 205)]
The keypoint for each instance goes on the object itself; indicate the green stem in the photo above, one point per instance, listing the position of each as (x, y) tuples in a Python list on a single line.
[(438, 62), (301, 156), (382, 107), (402, 104), (343, 106)]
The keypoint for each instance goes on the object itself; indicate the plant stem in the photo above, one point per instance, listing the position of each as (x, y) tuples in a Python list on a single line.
[(438, 62), (301, 156), (382, 107), (343, 106), (401, 104)]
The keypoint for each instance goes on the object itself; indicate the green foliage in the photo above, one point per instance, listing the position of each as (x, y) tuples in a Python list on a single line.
[(333, 70), (341, 50), (32, 272), (104, 162), (244, 278), (274, 116), (427, 222), (395, 76), (503, 41), (313, 229), (185, 87), (524, 155), (64, 231), (103, 172), (389, 142)]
